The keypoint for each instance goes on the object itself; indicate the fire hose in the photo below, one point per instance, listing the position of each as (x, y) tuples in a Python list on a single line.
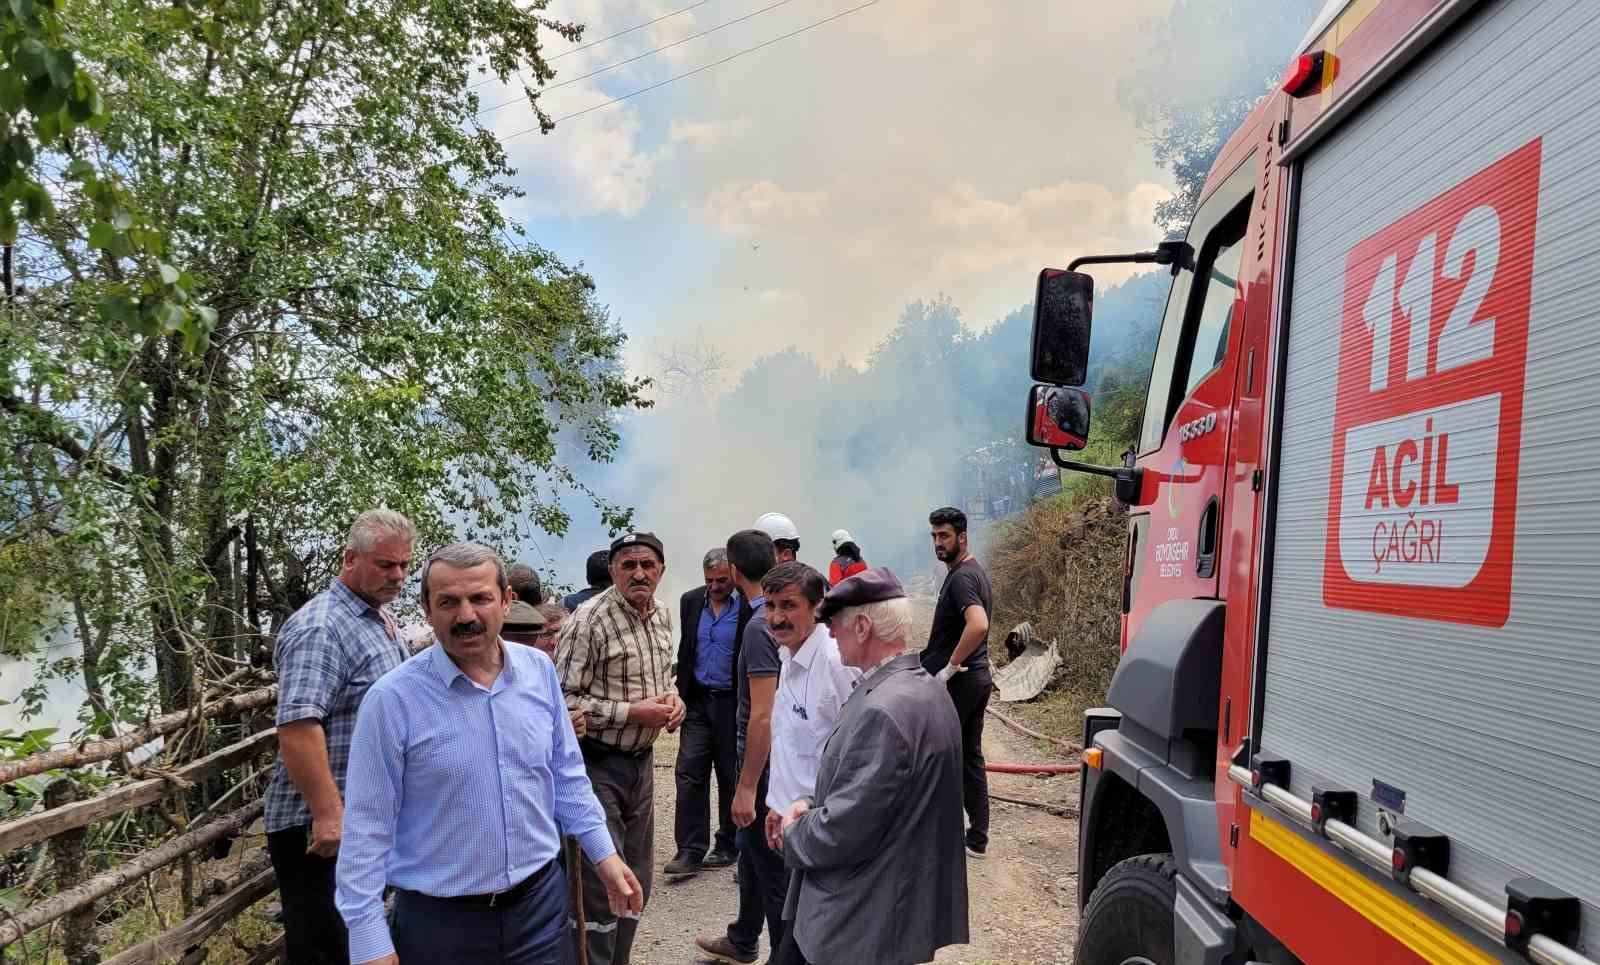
[(997, 768)]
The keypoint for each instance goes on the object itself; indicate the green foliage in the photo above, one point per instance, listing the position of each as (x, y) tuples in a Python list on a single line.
[(283, 293), (46, 96)]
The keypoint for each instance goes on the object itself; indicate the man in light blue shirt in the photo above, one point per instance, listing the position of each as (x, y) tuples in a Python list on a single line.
[(464, 774)]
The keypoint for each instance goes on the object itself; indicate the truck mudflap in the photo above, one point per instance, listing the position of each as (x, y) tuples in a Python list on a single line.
[(1204, 934)]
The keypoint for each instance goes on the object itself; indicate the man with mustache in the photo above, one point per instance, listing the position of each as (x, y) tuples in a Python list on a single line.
[(882, 874), (464, 774), (615, 658), (327, 655), (812, 688)]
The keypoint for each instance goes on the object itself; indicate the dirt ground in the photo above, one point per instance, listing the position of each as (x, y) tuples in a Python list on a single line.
[(1023, 896)]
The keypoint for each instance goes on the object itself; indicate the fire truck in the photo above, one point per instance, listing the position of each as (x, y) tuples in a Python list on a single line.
[(1357, 716)]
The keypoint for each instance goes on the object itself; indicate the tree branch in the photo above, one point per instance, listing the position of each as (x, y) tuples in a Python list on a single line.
[(47, 429)]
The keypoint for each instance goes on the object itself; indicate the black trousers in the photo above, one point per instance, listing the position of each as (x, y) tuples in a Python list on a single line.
[(530, 929), (970, 692), (763, 883), (706, 744), (313, 931), (790, 953), (624, 783)]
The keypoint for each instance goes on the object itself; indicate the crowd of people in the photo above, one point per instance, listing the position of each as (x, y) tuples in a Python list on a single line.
[(494, 774)]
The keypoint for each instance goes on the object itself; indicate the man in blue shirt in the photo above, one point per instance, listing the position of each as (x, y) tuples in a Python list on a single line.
[(710, 620), (464, 774)]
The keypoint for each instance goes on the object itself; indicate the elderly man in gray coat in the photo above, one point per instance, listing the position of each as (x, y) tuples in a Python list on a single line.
[(882, 868)]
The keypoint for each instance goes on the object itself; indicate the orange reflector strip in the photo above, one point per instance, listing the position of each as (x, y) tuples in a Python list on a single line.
[(1092, 756)]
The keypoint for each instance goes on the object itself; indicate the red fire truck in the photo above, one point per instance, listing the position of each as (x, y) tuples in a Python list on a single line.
[(1357, 718)]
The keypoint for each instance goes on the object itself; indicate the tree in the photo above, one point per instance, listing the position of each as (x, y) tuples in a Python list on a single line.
[(1199, 78), (375, 332)]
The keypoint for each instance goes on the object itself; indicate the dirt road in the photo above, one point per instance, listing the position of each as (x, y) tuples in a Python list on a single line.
[(1023, 896)]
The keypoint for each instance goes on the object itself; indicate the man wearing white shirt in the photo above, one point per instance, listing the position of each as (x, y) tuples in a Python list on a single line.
[(812, 687)]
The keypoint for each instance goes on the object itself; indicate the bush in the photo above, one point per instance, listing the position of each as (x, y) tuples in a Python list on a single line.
[(1059, 566)]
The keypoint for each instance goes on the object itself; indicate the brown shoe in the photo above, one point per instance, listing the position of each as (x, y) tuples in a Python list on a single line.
[(719, 949)]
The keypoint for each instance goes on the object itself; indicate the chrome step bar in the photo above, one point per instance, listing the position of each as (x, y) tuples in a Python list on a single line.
[(1482, 915)]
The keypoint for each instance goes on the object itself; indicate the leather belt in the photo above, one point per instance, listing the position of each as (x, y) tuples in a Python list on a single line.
[(511, 894)]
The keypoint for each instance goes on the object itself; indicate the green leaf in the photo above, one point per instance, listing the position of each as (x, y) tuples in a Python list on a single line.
[(169, 274), (80, 170), (36, 205), (22, 147), (8, 226), (118, 308), (12, 87), (207, 316), (24, 11), (62, 69), (44, 97), (169, 316), (30, 58), (47, 124), (121, 219)]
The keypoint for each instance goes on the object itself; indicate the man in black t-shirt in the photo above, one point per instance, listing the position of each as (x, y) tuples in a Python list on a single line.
[(762, 879), (958, 654)]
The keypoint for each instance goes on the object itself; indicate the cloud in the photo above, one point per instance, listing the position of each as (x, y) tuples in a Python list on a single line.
[(742, 208), (708, 135), (597, 167)]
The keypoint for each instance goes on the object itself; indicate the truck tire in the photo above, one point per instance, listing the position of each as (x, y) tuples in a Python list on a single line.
[(1129, 919)]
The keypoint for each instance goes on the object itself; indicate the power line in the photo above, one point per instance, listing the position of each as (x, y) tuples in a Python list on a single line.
[(596, 43), (620, 33), (648, 53), (697, 70)]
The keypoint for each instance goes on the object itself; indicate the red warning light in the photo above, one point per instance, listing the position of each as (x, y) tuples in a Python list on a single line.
[(1306, 73)]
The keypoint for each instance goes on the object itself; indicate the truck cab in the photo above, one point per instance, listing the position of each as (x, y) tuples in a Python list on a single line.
[(1358, 709)]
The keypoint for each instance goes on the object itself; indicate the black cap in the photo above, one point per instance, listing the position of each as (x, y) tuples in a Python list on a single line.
[(639, 539), (872, 586)]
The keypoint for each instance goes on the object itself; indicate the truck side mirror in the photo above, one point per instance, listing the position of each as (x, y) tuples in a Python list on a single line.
[(1063, 307), (1058, 417)]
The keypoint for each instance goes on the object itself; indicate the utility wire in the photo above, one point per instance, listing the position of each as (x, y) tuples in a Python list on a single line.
[(596, 43), (697, 70), (620, 33), (648, 53)]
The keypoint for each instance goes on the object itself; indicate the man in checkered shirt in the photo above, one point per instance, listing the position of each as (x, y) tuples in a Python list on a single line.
[(327, 655)]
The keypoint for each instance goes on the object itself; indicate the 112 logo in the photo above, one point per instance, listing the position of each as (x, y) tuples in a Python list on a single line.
[(1433, 344)]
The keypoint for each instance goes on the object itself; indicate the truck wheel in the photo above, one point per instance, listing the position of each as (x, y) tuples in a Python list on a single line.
[(1129, 920)]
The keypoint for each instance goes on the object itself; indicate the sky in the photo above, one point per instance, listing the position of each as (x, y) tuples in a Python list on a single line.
[(801, 195)]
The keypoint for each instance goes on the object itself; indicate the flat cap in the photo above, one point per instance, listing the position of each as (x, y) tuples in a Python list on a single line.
[(639, 539), (523, 618), (870, 586)]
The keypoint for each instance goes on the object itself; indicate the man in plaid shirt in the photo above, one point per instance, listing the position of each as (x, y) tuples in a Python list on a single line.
[(327, 655)]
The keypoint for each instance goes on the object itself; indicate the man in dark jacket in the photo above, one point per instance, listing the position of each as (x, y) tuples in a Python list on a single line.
[(711, 621), (883, 875), (597, 571)]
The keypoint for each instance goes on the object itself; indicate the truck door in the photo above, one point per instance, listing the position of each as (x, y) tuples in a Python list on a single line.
[(1173, 530)]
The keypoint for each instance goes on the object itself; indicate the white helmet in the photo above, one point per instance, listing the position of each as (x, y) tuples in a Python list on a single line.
[(777, 526), (841, 537)]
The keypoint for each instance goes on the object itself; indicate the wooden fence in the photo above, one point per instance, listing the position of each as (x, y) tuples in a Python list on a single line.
[(62, 826)]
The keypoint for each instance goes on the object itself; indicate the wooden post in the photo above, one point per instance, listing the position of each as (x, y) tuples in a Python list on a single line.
[(67, 850)]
